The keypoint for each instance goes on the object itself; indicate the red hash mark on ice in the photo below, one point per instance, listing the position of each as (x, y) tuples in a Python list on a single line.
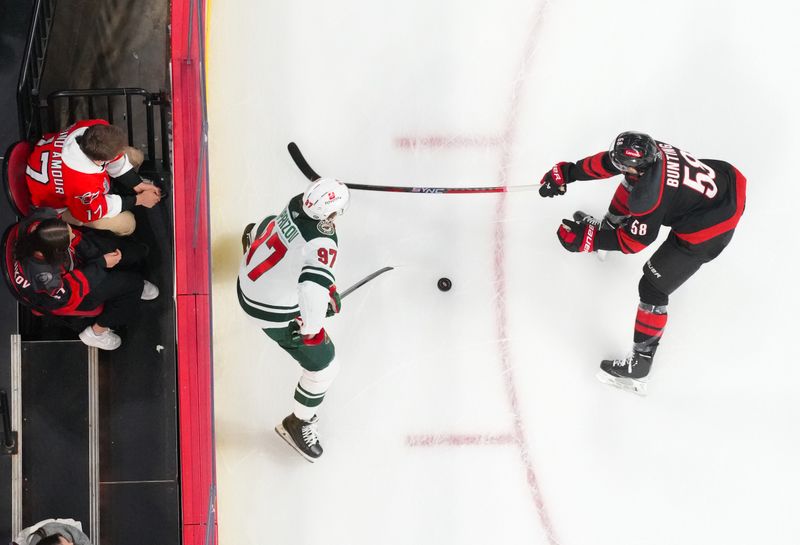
[(459, 440), (445, 142)]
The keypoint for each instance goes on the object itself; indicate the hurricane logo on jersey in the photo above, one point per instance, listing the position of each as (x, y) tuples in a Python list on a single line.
[(44, 277), (87, 198)]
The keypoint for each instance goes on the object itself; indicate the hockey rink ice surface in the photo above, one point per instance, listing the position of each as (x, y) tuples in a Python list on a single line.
[(474, 416)]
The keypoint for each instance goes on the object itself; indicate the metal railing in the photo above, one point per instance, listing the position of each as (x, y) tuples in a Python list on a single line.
[(30, 73), (131, 107)]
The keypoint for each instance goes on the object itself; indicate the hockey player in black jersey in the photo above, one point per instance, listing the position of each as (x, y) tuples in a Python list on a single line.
[(700, 200)]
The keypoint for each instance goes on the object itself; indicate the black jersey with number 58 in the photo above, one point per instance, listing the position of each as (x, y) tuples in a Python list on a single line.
[(698, 198)]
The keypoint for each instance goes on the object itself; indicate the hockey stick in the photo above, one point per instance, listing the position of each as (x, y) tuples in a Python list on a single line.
[(311, 174), (363, 281), (301, 163)]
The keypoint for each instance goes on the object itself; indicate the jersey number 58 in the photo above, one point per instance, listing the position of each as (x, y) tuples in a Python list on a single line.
[(703, 179)]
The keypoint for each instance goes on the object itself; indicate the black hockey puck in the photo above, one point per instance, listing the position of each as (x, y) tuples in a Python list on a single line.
[(444, 284)]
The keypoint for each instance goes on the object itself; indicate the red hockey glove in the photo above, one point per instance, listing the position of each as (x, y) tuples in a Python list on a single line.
[(335, 304), (576, 237), (313, 340), (554, 182), (297, 339)]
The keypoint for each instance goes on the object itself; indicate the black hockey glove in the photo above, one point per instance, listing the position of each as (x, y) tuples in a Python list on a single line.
[(554, 182), (295, 338), (576, 237)]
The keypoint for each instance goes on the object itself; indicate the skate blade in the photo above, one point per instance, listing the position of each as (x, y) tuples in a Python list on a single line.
[(280, 430), (631, 385), (602, 254)]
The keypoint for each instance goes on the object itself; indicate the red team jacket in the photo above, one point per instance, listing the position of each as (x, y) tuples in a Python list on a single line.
[(698, 199), (60, 290), (61, 176)]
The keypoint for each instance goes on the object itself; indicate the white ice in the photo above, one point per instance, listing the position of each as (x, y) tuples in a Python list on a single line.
[(507, 358)]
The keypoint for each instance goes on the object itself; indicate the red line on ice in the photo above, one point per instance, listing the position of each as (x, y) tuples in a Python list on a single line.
[(518, 437), (500, 281)]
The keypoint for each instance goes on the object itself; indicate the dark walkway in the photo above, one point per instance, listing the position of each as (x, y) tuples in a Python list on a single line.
[(14, 20), (114, 43)]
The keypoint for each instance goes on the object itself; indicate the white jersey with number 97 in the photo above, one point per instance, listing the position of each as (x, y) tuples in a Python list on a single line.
[(289, 269)]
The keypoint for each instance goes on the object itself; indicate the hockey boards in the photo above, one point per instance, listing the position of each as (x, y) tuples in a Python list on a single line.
[(311, 174)]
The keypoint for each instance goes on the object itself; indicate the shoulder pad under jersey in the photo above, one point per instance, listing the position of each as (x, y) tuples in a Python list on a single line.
[(647, 191)]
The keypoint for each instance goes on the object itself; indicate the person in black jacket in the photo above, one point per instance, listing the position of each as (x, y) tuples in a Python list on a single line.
[(64, 270), (700, 200)]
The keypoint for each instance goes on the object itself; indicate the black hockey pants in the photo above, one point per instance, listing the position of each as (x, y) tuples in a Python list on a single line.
[(674, 263), (121, 290)]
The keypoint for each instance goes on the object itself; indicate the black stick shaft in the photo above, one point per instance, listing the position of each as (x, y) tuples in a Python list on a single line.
[(301, 163), (311, 174), (363, 281)]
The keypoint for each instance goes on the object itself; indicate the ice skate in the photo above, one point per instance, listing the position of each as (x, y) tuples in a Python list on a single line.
[(246, 240), (582, 217), (628, 374), (301, 435)]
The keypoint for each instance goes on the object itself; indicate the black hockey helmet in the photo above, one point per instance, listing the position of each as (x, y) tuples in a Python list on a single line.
[(633, 149)]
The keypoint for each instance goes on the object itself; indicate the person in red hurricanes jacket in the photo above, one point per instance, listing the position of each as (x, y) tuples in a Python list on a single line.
[(701, 200), (67, 271), (71, 171)]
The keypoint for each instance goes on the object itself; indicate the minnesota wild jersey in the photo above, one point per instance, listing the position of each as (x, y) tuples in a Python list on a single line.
[(288, 270)]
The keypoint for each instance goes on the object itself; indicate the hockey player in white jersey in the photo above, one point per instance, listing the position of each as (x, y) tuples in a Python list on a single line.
[(287, 285)]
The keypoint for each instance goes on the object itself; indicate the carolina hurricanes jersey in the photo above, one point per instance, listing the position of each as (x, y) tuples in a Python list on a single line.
[(288, 270), (60, 289), (61, 176), (698, 198)]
